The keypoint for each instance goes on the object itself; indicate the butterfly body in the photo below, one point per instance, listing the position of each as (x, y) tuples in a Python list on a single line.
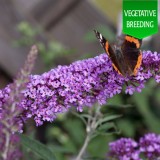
[(126, 56)]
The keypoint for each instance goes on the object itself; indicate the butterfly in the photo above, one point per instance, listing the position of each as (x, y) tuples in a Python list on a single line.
[(126, 56)]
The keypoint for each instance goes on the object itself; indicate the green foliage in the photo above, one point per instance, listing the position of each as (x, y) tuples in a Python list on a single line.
[(98, 147), (142, 102), (49, 51), (136, 114), (27, 34), (52, 52), (38, 148), (130, 116)]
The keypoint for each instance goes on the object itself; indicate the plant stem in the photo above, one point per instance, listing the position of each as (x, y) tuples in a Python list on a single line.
[(5, 153), (90, 129), (83, 149)]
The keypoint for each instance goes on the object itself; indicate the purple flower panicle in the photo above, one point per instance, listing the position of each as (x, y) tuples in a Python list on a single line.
[(80, 84), (150, 145), (128, 149), (124, 149), (10, 111)]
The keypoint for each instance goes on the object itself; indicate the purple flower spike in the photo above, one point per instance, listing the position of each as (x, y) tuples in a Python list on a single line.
[(80, 84), (128, 149), (124, 149), (150, 145), (130, 89), (11, 121)]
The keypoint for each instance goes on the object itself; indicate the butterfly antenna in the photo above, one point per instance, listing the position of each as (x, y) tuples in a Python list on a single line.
[(101, 38)]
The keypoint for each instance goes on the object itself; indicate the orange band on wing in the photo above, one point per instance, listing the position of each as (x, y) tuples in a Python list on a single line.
[(139, 61), (132, 39), (106, 48), (116, 69)]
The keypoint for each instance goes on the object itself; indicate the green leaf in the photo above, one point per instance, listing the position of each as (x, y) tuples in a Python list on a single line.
[(81, 117), (106, 129), (61, 149), (106, 126), (76, 131), (142, 102), (98, 147), (107, 118), (120, 106), (25, 28), (127, 127), (36, 147)]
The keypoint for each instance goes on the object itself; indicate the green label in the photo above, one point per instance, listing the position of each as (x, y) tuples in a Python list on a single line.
[(140, 17)]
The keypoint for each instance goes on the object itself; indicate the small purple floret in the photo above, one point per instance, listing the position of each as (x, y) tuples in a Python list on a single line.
[(80, 84), (150, 145), (128, 149), (124, 149)]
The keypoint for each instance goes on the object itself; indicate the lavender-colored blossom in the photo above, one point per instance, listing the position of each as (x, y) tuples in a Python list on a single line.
[(124, 149), (10, 111), (80, 84), (157, 78), (130, 89), (150, 145), (128, 149)]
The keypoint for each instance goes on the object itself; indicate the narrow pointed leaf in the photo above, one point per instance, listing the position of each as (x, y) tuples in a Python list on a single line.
[(36, 147)]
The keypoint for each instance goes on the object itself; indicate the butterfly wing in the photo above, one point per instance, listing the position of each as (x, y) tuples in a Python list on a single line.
[(104, 43), (132, 54), (110, 52)]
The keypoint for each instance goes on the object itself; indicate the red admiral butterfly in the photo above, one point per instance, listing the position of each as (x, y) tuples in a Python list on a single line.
[(126, 57)]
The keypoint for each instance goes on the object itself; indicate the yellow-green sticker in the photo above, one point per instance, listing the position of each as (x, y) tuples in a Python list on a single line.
[(140, 18)]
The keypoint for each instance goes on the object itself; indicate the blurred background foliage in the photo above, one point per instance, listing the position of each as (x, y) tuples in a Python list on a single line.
[(49, 52), (136, 114)]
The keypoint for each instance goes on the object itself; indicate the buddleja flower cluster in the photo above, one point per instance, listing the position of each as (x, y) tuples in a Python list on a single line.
[(128, 149), (80, 84), (11, 121)]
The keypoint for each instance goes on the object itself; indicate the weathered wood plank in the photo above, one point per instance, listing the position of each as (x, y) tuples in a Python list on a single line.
[(66, 21), (11, 58), (70, 28), (73, 28), (50, 12)]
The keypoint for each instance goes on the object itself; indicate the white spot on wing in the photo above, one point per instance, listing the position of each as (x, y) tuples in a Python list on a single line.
[(101, 36)]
